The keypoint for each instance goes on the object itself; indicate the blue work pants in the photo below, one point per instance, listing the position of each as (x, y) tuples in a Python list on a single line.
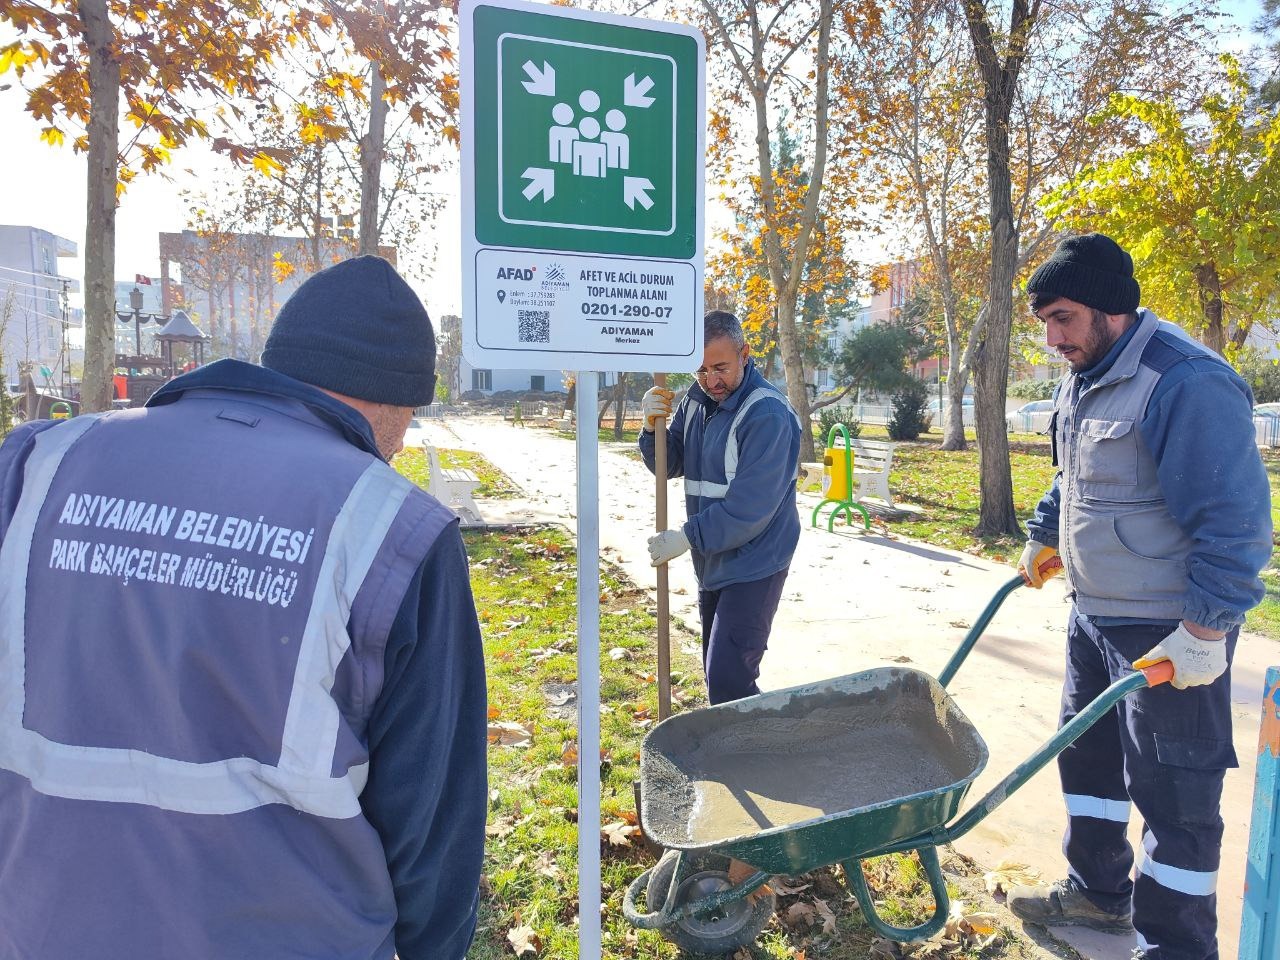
[(736, 621), (1165, 751)]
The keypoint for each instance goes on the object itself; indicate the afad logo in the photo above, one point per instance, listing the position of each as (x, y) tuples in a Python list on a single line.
[(516, 273)]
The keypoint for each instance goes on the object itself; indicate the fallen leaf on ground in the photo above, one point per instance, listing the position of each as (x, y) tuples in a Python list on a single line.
[(785, 888), (569, 754), (619, 653), (1007, 875), (504, 733), (828, 918), (619, 833), (494, 713), (546, 865), (523, 940), (559, 699), (799, 914)]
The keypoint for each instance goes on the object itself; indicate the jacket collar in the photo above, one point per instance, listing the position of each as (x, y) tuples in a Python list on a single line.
[(241, 377), (1121, 361)]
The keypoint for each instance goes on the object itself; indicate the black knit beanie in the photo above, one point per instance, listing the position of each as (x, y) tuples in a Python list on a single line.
[(356, 328), (1092, 270)]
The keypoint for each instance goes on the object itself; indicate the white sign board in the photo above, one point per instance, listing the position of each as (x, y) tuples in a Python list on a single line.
[(582, 223)]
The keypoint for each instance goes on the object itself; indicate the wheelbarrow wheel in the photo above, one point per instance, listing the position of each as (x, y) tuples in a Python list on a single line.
[(722, 930)]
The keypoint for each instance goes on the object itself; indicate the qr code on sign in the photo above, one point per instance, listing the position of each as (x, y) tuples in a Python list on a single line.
[(535, 326)]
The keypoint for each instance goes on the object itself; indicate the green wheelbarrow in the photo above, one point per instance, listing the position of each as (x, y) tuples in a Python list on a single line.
[(837, 771)]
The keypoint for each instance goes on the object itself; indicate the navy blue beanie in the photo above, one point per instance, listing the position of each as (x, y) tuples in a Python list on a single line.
[(1092, 269), (357, 328)]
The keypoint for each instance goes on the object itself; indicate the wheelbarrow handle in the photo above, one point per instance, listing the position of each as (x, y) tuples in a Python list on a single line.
[(976, 630), (1050, 568), (1066, 735)]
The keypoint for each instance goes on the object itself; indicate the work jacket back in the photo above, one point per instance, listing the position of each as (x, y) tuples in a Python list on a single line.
[(194, 603)]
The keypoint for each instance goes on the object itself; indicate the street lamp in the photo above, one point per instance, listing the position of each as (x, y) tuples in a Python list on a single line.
[(138, 318)]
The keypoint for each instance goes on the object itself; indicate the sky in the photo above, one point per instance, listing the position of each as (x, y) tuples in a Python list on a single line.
[(45, 188)]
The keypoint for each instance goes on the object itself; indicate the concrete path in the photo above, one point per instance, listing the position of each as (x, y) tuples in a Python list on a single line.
[(855, 601)]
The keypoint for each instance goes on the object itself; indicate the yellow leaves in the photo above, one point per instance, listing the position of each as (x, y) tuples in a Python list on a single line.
[(311, 132), (52, 136), (18, 54), (266, 164), (281, 269)]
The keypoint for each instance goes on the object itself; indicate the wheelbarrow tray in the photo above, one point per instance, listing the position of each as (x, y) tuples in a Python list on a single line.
[(795, 779)]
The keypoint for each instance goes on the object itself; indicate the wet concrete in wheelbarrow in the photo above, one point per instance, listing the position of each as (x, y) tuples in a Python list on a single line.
[(721, 774)]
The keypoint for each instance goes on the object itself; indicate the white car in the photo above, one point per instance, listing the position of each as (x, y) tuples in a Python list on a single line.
[(1031, 417)]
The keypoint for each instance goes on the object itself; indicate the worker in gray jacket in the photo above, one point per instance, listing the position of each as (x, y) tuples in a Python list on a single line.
[(736, 441), (1161, 513)]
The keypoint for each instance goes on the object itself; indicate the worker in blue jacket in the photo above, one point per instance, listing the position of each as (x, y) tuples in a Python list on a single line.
[(242, 692), (1161, 514), (736, 441)]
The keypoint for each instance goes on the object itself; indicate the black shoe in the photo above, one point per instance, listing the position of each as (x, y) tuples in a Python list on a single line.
[(1063, 903)]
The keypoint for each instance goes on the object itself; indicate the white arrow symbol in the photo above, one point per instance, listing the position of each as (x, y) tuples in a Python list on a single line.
[(633, 94), (636, 188), (541, 181), (540, 84)]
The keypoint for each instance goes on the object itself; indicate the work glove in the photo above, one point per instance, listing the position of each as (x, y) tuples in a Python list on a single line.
[(1195, 661), (666, 546), (1033, 563), (656, 403)]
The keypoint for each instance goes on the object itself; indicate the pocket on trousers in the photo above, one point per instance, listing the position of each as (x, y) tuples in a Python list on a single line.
[(1189, 778), (1195, 753)]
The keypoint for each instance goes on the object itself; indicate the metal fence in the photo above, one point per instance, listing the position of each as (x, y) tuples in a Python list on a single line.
[(433, 410), (1266, 431)]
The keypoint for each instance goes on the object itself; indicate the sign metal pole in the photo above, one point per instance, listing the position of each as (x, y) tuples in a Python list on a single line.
[(588, 443), (664, 595)]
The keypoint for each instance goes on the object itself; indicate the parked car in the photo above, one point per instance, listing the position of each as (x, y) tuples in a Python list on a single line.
[(1267, 410), (1031, 417), (937, 411)]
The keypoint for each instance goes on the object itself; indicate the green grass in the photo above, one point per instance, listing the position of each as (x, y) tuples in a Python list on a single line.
[(629, 434), (1265, 618), (494, 484)]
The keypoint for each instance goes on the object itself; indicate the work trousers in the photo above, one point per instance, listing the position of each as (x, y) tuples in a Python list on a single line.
[(736, 621), (1165, 751)]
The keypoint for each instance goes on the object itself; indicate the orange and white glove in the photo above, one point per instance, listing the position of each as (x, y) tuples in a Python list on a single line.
[(656, 403), (1195, 661), (1033, 563)]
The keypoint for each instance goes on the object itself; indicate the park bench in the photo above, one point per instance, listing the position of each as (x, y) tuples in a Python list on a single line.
[(452, 487), (872, 460)]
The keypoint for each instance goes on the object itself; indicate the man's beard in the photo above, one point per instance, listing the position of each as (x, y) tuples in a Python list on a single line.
[(1099, 341)]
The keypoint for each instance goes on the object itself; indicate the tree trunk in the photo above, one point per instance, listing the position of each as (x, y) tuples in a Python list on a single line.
[(371, 147), (996, 515), (953, 433), (100, 219), (619, 405), (1214, 335), (785, 277)]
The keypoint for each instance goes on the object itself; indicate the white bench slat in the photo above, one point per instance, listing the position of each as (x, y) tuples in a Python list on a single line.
[(452, 487), (872, 460)]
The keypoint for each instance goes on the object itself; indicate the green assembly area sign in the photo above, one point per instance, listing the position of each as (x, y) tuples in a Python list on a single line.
[(582, 133)]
